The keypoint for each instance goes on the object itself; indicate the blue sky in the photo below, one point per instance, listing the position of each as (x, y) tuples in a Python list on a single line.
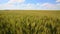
[(40, 1), (3, 1), (29, 4)]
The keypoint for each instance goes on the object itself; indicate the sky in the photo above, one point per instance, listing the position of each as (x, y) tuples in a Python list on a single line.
[(29, 4)]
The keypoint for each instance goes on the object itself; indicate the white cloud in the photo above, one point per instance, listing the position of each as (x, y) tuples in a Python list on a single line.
[(49, 6), (43, 6), (11, 4), (46, 5), (20, 1), (22, 6), (57, 0)]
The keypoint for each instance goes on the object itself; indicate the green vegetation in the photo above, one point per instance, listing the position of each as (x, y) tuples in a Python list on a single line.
[(29, 22)]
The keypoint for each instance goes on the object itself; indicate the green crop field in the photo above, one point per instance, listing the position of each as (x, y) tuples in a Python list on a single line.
[(29, 21)]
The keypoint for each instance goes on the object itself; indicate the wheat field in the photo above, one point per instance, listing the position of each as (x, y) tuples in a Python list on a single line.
[(29, 21)]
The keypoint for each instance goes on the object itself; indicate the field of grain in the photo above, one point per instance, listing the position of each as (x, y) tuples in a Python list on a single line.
[(29, 21)]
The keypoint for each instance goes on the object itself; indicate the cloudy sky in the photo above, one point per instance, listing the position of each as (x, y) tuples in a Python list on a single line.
[(29, 4)]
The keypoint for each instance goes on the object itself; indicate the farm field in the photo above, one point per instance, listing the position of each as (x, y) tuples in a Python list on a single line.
[(29, 21)]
